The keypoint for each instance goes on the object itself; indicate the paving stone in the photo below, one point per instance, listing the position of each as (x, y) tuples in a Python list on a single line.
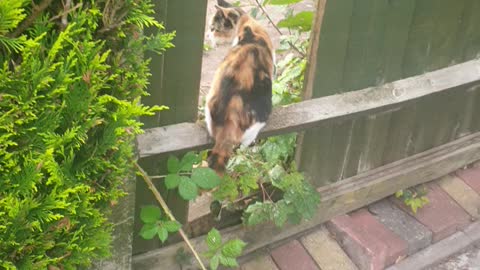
[(263, 262), (442, 215), (471, 176), (293, 256), (473, 232), (368, 243), (435, 253), (409, 229), (326, 251), (462, 193)]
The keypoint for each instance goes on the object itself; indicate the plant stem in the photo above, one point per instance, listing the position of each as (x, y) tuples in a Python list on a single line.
[(36, 11), (164, 205), (278, 30), (163, 176)]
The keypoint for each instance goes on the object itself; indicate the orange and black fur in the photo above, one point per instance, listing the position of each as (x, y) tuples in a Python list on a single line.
[(240, 98)]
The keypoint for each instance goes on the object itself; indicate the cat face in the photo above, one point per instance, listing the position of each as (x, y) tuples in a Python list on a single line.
[(223, 24)]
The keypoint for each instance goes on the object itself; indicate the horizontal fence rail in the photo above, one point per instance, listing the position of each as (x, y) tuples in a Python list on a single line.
[(306, 114)]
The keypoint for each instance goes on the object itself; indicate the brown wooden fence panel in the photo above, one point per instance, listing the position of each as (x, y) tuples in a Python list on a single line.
[(365, 43)]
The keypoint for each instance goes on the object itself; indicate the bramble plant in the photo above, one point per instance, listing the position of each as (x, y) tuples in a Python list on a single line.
[(222, 253), (414, 197)]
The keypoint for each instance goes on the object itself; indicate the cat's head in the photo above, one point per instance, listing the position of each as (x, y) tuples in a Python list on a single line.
[(222, 26)]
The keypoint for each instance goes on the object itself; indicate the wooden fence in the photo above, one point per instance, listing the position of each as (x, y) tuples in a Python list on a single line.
[(415, 118)]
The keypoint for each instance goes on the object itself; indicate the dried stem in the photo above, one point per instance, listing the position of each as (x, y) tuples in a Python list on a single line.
[(165, 208), (278, 30), (36, 11)]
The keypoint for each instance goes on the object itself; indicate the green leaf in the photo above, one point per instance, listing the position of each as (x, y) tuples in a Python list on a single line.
[(233, 248), (302, 21), (283, 2), (228, 261), (187, 189), (171, 226), (148, 231), (247, 183), (214, 239), (173, 180), (173, 164), (214, 262), (258, 213), (205, 178), (227, 190), (150, 214), (162, 234), (188, 160)]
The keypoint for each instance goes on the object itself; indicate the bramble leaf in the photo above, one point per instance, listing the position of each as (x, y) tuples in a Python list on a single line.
[(150, 214), (214, 239), (187, 189), (148, 231), (187, 161), (173, 180), (205, 178), (233, 248), (302, 21), (283, 2), (171, 226), (173, 164), (214, 262), (162, 234)]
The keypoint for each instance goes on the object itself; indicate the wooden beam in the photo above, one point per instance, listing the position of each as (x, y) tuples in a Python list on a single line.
[(344, 196), (314, 112)]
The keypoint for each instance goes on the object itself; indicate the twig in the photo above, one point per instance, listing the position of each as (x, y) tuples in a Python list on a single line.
[(278, 30), (65, 12), (64, 20), (164, 205), (163, 176), (36, 11)]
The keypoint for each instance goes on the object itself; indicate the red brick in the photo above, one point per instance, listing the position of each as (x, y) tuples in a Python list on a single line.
[(471, 176), (367, 241), (442, 215), (293, 256)]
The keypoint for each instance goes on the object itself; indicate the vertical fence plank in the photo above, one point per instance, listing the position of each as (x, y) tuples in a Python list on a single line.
[(324, 79), (175, 82)]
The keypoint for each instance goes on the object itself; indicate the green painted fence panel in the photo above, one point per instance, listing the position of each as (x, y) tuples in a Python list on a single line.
[(365, 43)]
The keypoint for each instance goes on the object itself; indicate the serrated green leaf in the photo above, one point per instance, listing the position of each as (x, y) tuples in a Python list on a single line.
[(258, 213), (187, 161), (283, 2), (228, 261), (214, 262), (187, 189), (162, 234), (214, 239), (150, 214), (227, 190), (148, 231), (302, 21), (173, 164), (171, 226), (173, 180), (233, 248), (205, 178)]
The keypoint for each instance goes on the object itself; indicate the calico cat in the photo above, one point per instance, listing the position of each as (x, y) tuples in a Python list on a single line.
[(223, 23), (240, 99)]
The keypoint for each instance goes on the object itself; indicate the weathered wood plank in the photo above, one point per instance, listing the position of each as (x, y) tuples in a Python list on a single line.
[(310, 113), (345, 196)]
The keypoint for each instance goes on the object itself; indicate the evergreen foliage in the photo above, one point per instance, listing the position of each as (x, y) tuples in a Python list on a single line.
[(70, 89)]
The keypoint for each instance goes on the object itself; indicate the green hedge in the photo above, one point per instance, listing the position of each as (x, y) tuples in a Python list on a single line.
[(71, 79)]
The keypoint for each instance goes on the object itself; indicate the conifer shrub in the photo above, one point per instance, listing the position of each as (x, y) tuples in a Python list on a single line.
[(71, 77)]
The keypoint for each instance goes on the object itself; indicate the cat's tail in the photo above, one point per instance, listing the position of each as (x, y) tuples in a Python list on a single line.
[(226, 140)]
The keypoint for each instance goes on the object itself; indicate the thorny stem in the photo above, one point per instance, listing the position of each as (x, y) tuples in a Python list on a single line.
[(278, 30), (164, 205)]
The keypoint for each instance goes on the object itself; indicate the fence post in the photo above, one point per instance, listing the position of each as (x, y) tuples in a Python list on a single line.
[(175, 82)]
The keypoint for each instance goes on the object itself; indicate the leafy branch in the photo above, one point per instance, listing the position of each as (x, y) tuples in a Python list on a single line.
[(166, 209)]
